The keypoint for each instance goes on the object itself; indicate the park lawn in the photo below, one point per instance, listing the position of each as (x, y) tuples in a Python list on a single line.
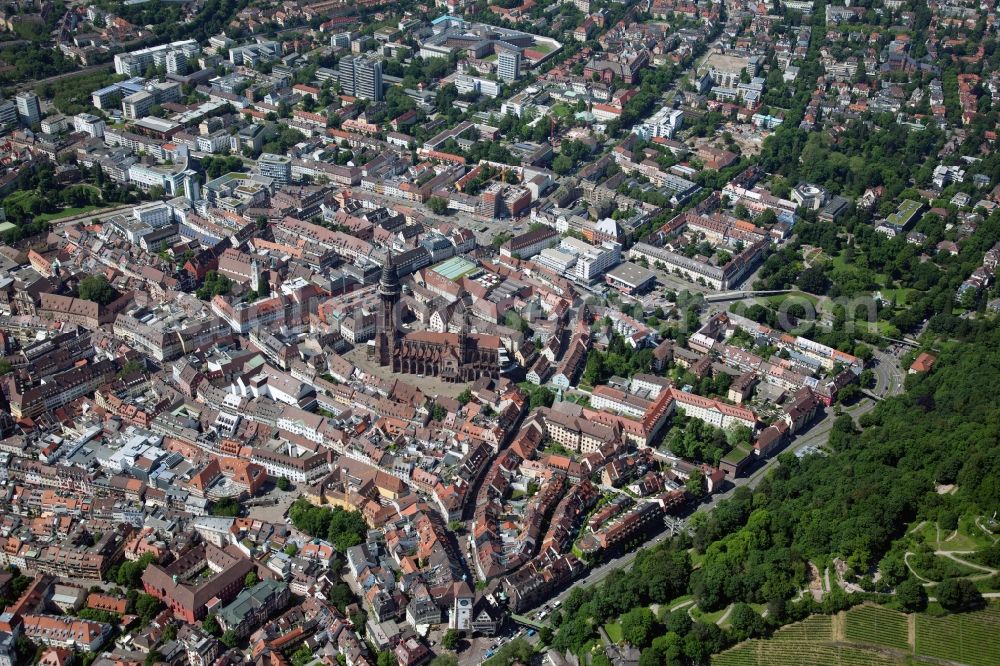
[(679, 600), (990, 584), (776, 300), (614, 630), (708, 618), (969, 536), (903, 295), (737, 454), (67, 212), (839, 262), (880, 327), (952, 568)]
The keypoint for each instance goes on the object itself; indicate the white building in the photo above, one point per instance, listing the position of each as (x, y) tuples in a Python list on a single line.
[(155, 214), (713, 412), (89, 124), (302, 423), (136, 62), (810, 197), (146, 177), (591, 260), (138, 105), (28, 107), (277, 167), (216, 142), (509, 65), (55, 124), (664, 122)]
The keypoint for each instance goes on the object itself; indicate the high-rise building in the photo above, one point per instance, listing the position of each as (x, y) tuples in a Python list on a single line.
[(509, 65), (192, 186), (177, 62), (346, 68), (28, 107), (278, 167), (368, 79), (8, 112), (361, 77)]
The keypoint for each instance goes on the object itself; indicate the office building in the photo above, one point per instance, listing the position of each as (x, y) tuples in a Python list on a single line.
[(361, 77), (509, 65), (192, 186), (346, 78), (8, 112), (276, 167), (138, 105), (28, 107), (89, 124)]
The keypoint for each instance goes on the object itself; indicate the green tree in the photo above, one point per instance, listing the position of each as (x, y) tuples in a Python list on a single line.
[(911, 596), (695, 484), (229, 638), (562, 165), (438, 205), (341, 527), (302, 656), (147, 606), (211, 626), (639, 626), (97, 289), (250, 579), (958, 595), (746, 622), (451, 639), (227, 507), (284, 484), (130, 573)]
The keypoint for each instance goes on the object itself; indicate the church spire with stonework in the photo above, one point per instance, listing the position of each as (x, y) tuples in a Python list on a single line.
[(386, 331), (388, 285)]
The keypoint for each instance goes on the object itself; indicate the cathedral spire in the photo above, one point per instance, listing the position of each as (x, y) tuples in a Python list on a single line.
[(388, 285)]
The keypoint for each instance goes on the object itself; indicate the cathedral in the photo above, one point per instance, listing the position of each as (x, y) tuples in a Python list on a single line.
[(454, 357)]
